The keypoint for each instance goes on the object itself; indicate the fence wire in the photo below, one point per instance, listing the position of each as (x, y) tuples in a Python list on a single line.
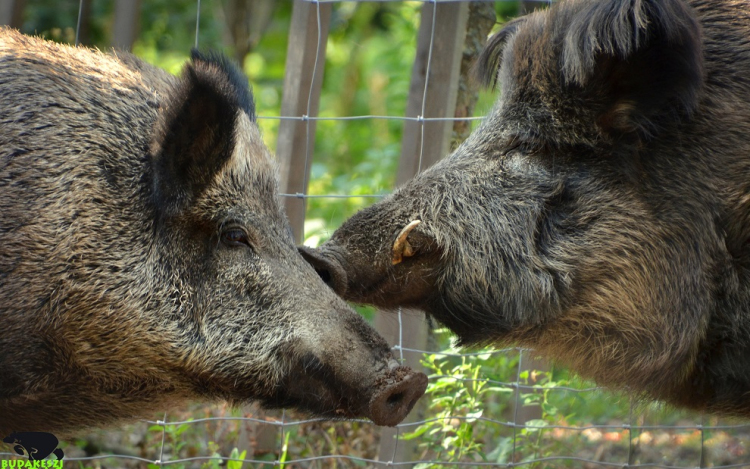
[(732, 439), (164, 427)]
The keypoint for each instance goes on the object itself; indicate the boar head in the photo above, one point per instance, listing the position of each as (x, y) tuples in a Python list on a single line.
[(598, 214)]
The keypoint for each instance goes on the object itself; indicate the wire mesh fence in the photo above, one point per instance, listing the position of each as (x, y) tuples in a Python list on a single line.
[(486, 408)]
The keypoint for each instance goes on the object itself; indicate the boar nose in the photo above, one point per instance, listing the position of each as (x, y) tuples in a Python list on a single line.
[(402, 388), (329, 269)]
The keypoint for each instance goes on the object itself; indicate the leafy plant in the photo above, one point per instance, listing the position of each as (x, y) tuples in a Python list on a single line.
[(173, 438), (467, 396), (217, 461)]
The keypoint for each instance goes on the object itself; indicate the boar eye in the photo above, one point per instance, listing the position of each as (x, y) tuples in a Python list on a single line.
[(235, 237)]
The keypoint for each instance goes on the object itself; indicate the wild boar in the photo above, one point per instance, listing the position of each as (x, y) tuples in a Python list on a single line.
[(600, 214), (145, 260)]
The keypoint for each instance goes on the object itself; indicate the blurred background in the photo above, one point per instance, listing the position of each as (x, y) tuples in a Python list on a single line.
[(483, 407)]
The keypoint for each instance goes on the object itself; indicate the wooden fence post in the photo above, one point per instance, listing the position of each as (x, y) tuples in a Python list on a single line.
[(531, 363), (424, 143), (301, 97), (432, 143), (125, 28), (246, 21), (11, 12)]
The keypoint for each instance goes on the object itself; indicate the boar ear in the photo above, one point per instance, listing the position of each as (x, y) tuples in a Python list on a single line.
[(487, 65), (195, 133), (644, 56)]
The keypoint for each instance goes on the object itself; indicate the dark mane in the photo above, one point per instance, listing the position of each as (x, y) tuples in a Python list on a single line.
[(620, 28)]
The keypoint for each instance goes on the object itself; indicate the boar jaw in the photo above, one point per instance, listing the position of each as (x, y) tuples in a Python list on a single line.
[(387, 400), (346, 372)]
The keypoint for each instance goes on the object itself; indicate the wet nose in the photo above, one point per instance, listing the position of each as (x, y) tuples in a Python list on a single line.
[(401, 389), (327, 268)]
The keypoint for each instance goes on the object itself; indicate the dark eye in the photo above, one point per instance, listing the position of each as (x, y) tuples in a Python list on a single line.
[(235, 237)]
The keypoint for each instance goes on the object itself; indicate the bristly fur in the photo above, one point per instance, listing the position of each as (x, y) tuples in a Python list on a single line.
[(639, 60), (239, 87), (600, 214), (657, 52), (619, 29)]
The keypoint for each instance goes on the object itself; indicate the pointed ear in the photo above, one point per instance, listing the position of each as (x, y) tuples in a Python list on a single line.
[(487, 65), (195, 133), (643, 56)]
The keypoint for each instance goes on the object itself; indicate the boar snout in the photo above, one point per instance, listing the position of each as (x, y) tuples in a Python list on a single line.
[(344, 370), (327, 267), (402, 388), (383, 394)]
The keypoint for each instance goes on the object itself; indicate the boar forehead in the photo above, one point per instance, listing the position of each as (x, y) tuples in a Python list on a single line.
[(246, 189)]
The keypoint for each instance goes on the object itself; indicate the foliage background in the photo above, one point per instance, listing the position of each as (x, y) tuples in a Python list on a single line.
[(370, 51)]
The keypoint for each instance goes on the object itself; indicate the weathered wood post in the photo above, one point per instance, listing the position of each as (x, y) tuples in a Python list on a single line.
[(11, 12), (125, 27), (302, 84)]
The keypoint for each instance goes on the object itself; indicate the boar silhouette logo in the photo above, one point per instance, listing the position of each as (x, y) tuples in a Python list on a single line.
[(37, 445)]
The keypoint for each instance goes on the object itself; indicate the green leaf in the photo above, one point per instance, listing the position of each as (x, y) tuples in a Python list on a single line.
[(537, 423), (416, 433), (423, 465), (499, 389), (235, 454)]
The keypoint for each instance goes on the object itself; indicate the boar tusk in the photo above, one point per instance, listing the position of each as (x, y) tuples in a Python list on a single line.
[(401, 247)]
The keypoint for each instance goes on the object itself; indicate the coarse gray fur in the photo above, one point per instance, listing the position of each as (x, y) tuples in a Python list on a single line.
[(145, 260), (600, 214)]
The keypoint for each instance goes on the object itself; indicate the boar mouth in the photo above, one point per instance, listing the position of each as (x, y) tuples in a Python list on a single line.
[(357, 279), (315, 388), (329, 264)]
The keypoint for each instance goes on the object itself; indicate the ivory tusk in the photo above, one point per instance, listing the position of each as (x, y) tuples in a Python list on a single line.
[(401, 247)]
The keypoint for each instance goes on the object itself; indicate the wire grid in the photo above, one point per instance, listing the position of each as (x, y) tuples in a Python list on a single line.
[(625, 429)]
